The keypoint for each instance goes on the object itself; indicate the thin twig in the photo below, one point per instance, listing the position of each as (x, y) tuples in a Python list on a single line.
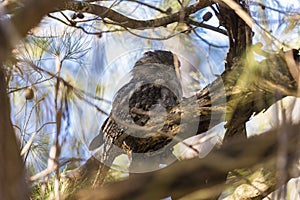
[(206, 26), (78, 92), (28, 118), (150, 6), (30, 141), (207, 42)]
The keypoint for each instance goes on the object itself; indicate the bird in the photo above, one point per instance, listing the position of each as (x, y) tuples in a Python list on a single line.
[(141, 122)]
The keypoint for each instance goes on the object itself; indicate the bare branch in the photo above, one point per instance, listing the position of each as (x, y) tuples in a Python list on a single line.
[(12, 30), (123, 20), (23, 20), (150, 6), (200, 174), (256, 96), (26, 148), (200, 24)]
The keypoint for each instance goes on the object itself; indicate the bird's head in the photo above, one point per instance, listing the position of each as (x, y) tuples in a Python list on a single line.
[(167, 58), (159, 56)]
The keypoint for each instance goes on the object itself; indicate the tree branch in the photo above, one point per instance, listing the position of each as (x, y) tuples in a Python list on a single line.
[(128, 22), (187, 176), (24, 19), (12, 30), (256, 91), (200, 24)]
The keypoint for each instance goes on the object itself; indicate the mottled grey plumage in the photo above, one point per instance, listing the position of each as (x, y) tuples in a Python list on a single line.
[(154, 89)]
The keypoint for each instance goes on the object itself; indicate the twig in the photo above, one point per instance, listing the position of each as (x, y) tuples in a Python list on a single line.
[(200, 24), (209, 43), (292, 66), (28, 118), (78, 92), (196, 174), (240, 12), (150, 6), (119, 18), (30, 141), (160, 38)]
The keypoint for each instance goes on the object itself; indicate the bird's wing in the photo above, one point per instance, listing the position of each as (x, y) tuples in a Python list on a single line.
[(98, 140), (110, 129)]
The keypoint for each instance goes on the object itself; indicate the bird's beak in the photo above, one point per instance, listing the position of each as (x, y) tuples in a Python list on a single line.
[(176, 66)]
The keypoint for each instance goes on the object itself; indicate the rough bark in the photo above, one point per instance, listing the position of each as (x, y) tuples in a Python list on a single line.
[(240, 38), (248, 89), (188, 176), (248, 95), (12, 176), (124, 21), (264, 86)]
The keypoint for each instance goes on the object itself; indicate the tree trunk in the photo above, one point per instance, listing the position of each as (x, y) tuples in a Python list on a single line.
[(12, 181)]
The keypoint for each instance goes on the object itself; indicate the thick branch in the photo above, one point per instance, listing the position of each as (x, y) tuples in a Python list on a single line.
[(187, 176), (29, 17), (128, 22), (270, 78), (12, 177), (24, 19)]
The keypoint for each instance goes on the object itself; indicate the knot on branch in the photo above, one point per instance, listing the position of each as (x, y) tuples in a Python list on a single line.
[(79, 6)]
